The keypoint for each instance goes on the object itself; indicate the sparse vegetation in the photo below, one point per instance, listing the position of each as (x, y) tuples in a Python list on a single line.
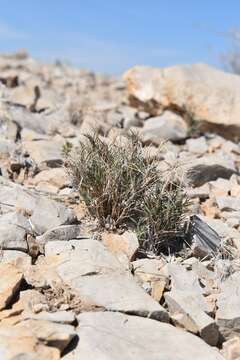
[(122, 187)]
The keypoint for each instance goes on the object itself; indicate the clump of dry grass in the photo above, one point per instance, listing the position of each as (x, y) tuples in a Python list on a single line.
[(122, 187)]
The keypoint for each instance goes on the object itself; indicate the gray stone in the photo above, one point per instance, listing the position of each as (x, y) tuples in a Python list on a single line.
[(48, 214), (223, 230), (61, 233), (186, 310), (168, 126), (87, 257), (8, 129), (148, 268), (205, 241), (45, 153), (119, 292), (61, 317), (75, 259), (199, 175), (198, 146), (6, 147), (220, 187), (14, 228), (183, 279), (16, 257), (56, 247), (201, 192), (228, 203), (24, 117), (228, 307), (132, 338), (45, 213)]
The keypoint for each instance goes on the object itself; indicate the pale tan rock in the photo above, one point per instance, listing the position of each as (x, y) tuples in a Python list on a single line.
[(148, 269), (148, 272), (18, 343), (46, 188), (231, 349), (209, 209), (45, 153), (126, 243), (53, 334), (56, 177), (198, 90), (157, 288), (10, 282), (220, 187)]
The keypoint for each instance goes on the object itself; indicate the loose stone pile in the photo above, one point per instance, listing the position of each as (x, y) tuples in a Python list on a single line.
[(67, 291)]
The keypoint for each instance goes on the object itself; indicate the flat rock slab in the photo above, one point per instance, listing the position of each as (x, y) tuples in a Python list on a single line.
[(182, 279), (75, 258), (186, 311), (119, 292), (87, 258), (97, 276), (117, 336)]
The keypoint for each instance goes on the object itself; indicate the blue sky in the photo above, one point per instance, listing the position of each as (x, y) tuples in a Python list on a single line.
[(111, 36)]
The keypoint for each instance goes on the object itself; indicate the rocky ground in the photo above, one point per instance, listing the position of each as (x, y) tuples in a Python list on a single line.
[(68, 291)]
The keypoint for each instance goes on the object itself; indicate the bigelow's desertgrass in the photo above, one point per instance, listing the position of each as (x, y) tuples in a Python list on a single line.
[(123, 187)]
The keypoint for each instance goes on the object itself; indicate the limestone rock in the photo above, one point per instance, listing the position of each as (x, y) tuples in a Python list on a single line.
[(126, 243), (226, 203), (69, 263), (51, 333), (197, 146), (11, 279), (231, 349), (45, 153), (61, 233), (136, 338), (19, 344), (14, 228), (228, 303), (196, 90), (168, 126), (187, 311), (56, 177), (45, 213), (121, 293)]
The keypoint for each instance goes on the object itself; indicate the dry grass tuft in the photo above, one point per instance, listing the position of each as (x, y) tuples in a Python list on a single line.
[(122, 187)]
